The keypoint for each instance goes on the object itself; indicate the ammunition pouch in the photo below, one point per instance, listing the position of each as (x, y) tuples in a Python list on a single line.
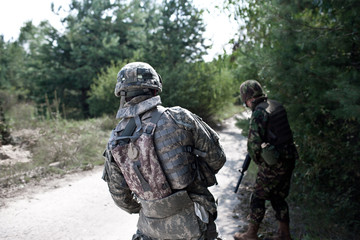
[(161, 218), (270, 154)]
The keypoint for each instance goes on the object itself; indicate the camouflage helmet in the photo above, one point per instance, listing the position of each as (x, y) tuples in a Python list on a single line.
[(250, 89), (136, 76)]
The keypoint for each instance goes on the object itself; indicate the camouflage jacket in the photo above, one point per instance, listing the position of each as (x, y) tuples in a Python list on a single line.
[(257, 136), (196, 190)]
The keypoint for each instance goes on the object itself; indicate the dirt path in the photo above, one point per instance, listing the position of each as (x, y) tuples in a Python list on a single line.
[(79, 206), (235, 148), (76, 207)]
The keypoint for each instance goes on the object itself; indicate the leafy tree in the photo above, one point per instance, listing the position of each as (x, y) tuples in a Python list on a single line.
[(97, 32), (174, 46), (12, 58), (307, 54), (62, 68), (91, 42), (175, 34), (102, 99), (203, 88)]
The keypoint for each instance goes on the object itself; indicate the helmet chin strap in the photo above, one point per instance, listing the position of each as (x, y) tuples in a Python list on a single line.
[(122, 98)]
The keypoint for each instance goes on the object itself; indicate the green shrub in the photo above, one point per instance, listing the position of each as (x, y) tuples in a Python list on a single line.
[(203, 88), (102, 99)]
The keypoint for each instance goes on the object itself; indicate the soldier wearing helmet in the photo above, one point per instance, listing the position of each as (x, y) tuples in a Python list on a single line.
[(271, 147), (161, 161)]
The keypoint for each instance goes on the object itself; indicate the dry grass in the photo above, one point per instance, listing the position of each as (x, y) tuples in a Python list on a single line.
[(50, 148)]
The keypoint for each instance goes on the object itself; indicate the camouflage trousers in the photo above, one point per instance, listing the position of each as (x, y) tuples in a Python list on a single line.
[(272, 184), (210, 232)]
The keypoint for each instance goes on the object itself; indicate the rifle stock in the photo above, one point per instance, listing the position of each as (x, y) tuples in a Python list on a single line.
[(244, 168)]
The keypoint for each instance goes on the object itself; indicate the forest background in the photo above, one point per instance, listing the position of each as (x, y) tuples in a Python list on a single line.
[(305, 53)]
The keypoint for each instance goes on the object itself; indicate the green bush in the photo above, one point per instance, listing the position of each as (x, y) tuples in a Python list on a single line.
[(102, 99), (203, 88)]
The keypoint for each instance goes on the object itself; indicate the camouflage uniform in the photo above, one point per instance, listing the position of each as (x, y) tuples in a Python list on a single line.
[(271, 147), (189, 210), (272, 181)]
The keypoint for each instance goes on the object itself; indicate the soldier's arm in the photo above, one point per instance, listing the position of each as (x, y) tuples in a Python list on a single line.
[(256, 134), (208, 141), (119, 190)]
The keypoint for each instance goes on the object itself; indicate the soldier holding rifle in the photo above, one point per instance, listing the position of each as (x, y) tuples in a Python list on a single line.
[(271, 147)]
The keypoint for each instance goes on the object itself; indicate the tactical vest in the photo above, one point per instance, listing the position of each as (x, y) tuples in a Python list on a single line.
[(278, 129), (174, 146), (138, 160)]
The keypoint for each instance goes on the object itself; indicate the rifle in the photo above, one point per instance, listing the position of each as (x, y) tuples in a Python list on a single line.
[(244, 168)]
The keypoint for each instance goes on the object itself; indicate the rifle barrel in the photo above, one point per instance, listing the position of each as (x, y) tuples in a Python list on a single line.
[(238, 183), (245, 166)]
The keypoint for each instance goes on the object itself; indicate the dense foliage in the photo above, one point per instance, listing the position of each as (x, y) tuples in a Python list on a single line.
[(187, 81), (51, 67), (203, 88), (307, 55)]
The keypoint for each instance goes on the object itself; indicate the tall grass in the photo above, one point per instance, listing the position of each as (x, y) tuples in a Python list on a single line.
[(58, 146)]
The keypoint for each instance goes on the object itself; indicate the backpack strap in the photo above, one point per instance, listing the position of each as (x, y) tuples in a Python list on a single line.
[(155, 116), (129, 130), (128, 133)]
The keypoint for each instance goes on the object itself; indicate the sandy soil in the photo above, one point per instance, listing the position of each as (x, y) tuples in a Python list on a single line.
[(10, 154), (79, 206)]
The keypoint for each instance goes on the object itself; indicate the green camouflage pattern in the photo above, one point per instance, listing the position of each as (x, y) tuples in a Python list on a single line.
[(250, 89), (257, 133), (272, 181), (137, 75)]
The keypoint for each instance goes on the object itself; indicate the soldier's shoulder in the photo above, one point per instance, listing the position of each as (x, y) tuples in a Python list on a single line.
[(181, 116), (179, 111), (259, 114)]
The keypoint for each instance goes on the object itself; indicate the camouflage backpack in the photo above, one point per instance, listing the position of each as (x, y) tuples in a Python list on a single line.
[(139, 162), (215, 155)]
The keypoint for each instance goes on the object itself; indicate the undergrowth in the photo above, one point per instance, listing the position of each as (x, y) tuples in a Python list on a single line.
[(309, 219), (58, 146)]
